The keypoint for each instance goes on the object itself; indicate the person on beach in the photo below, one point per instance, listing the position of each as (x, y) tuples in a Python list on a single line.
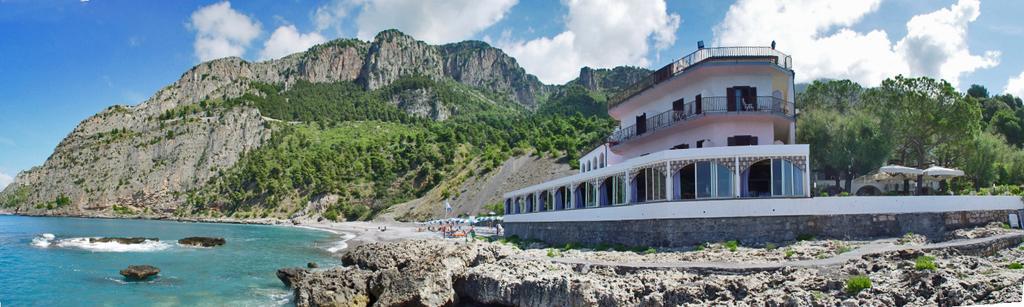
[(499, 230)]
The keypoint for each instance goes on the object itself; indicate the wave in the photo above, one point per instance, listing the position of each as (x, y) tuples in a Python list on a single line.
[(43, 240), (337, 245), (47, 240)]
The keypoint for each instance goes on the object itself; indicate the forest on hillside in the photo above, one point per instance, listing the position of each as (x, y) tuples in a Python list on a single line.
[(337, 138), (917, 122)]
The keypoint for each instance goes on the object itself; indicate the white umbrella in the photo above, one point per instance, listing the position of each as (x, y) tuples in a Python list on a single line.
[(938, 171), (900, 170)]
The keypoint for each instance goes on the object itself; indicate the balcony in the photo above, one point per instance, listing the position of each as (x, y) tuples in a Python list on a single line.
[(708, 105), (751, 54)]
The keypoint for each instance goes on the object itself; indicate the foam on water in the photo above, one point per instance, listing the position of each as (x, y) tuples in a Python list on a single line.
[(47, 240), (43, 240), (338, 245)]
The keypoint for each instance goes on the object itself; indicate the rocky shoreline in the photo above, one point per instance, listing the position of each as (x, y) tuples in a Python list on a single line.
[(446, 272)]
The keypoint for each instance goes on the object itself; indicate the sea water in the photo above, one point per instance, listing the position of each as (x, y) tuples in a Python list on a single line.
[(49, 261)]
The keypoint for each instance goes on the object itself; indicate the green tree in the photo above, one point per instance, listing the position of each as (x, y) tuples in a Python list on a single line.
[(982, 158), (977, 91), (845, 145), (922, 113), (838, 95)]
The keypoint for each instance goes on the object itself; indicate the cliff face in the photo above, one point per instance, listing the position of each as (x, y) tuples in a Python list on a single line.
[(145, 158)]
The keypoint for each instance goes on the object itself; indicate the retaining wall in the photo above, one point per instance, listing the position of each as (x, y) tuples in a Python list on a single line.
[(934, 221)]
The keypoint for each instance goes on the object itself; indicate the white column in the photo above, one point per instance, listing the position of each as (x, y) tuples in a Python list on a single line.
[(736, 180), (669, 188), (792, 133)]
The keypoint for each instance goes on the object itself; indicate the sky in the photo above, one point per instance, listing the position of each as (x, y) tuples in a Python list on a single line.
[(63, 61)]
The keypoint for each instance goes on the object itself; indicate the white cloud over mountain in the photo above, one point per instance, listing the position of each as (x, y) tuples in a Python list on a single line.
[(433, 21), (221, 31), (599, 33), (287, 40), (818, 35)]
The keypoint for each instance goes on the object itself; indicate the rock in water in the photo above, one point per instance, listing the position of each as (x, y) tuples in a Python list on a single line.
[(139, 272), (312, 265), (202, 241), (130, 240), (289, 276)]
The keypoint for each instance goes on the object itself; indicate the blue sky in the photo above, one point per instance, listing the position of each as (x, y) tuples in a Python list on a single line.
[(66, 60)]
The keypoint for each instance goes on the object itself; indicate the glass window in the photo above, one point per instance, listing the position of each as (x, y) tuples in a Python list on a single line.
[(655, 184), (798, 181), (787, 182), (704, 180), (618, 190), (724, 181)]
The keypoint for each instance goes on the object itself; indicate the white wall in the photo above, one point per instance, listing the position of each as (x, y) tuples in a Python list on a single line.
[(717, 128), (778, 207)]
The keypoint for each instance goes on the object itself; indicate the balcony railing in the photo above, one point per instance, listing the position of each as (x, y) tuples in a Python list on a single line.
[(760, 54), (708, 105)]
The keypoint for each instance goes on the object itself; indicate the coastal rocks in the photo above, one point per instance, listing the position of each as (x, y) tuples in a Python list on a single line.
[(288, 276), (128, 240), (979, 232), (312, 265), (202, 241), (438, 273), (139, 272)]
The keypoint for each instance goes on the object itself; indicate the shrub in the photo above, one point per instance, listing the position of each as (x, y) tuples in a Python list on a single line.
[(649, 250), (570, 246), (843, 249), (770, 246), (331, 214), (857, 283), (924, 263), (1015, 266), (700, 247), (553, 253), (844, 193), (790, 253), (732, 245)]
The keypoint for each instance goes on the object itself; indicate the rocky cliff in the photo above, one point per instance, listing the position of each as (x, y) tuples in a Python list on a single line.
[(144, 159)]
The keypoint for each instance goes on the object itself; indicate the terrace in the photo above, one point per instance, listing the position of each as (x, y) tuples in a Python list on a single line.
[(748, 54), (703, 107)]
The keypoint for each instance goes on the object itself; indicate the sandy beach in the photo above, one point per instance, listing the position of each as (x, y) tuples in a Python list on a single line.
[(368, 232)]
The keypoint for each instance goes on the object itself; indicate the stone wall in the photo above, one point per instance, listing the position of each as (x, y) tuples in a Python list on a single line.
[(753, 230)]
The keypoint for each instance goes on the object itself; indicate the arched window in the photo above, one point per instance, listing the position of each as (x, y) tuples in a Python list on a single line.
[(772, 177), (519, 205), (508, 206), (612, 191), (649, 185), (602, 161), (588, 166), (713, 180), (787, 178), (586, 195)]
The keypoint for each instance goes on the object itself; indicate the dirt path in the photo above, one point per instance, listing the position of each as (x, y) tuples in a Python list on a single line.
[(876, 247)]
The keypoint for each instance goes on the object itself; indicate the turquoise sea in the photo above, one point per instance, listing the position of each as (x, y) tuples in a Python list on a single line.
[(47, 261)]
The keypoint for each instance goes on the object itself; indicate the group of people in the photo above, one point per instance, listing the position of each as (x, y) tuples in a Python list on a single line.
[(455, 230)]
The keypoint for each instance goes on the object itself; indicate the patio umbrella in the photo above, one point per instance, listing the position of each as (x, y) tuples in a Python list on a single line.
[(899, 170), (904, 172), (942, 172)]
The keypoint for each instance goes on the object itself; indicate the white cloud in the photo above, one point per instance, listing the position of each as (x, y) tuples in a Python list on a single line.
[(1015, 85), (5, 180), (433, 21), (936, 43), (599, 33), (332, 14), (818, 36), (287, 40), (222, 31)]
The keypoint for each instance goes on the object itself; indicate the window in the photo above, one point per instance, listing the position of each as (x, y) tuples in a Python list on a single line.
[(713, 180), (618, 190), (549, 201), (742, 140), (787, 179), (650, 185)]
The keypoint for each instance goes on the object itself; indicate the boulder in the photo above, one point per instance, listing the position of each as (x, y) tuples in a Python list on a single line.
[(128, 240), (289, 276), (139, 272), (312, 265), (202, 241)]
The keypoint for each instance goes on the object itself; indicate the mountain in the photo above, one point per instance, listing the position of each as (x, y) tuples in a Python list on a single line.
[(347, 128)]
